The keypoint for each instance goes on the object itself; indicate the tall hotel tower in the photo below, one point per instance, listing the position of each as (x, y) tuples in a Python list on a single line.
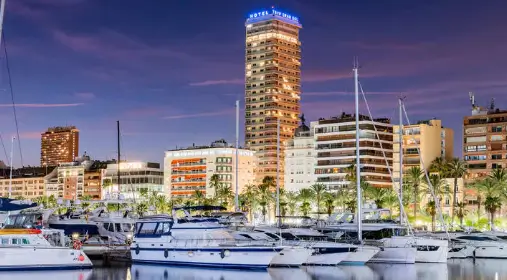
[(272, 86)]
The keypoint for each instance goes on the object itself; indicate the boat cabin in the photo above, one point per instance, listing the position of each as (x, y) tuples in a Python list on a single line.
[(153, 226)]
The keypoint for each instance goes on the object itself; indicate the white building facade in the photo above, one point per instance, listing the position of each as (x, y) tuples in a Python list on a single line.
[(335, 149), (189, 170), (134, 177), (300, 160)]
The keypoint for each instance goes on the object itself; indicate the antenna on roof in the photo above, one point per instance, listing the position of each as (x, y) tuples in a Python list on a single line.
[(472, 99), (492, 104)]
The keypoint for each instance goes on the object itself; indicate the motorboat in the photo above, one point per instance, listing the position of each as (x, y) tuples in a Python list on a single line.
[(155, 241), (27, 249), (323, 251), (77, 221), (396, 245), (290, 256)]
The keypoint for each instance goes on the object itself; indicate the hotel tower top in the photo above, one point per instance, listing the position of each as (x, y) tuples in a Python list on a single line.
[(272, 86)]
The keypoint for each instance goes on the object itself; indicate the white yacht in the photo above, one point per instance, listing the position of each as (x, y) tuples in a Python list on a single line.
[(324, 252), (28, 249), (290, 256), (155, 241), (396, 245)]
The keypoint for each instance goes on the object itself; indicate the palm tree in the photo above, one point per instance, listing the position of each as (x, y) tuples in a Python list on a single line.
[(161, 204), (438, 188), (318, 190), (249, 199), (214, 182), (461, 212), (431, 210), (378, 195), (499, 176), (457, 169), (292, 200), (306, 196), (415, 180), (265, 198), (492, 191), (439, 165), (198, 197), (269, 181), (141, 208), (224, 194), (329, 199)]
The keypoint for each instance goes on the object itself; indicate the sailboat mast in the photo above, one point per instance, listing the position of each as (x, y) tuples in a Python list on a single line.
[(358, 162), (119, 154), (400, 137), (236, 194), (2, 13), (278, 170), (11, 164)]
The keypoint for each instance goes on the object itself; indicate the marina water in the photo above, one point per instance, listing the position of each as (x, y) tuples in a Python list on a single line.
[(455, 269)]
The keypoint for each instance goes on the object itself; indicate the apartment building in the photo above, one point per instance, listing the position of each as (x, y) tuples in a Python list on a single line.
[(190, 169), (422, 143), (27, 182), (300, 159), (335, 149), (272, 86)]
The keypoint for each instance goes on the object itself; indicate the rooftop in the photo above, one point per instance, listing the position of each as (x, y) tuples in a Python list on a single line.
[(344, 117), (60, 129), (215, 144)]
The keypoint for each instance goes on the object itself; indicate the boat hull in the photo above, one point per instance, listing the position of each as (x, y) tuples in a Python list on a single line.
[(291, 257), (326, 259), (361, 256), (42, 258), (217, 257), (395, 255)]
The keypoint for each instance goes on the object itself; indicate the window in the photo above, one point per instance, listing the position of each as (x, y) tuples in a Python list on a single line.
[(25, 241), (496, 156), (5, 241), (496, 129), (146, 228)]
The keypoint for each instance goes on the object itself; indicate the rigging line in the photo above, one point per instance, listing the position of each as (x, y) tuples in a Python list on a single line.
[(12, 97), (432, 188), (386, 160)]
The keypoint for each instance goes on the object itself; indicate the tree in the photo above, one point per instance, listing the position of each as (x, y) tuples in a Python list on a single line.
[(492, 191), (329, 199), (378, 195), (431, 210), (461, 212), (214, 182), (439, 165), (318, 190), (198, 197), (415, 180), (265, 198), (269, 181), (249, 199), (292, 200), (457, 169)]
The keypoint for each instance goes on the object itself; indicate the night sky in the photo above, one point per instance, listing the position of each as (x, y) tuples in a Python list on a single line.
[(171, 71)]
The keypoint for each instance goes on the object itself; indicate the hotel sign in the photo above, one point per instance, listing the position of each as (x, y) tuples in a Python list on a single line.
[(274, 12)]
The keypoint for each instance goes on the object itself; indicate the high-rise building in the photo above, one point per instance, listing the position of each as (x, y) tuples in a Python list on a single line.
[(272, 86), (189, 170), (300, 159), (423, 142), (59, 145), (484, 143), (335, 145)]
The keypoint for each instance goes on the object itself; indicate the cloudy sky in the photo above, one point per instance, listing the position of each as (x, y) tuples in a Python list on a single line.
[(171, 71)]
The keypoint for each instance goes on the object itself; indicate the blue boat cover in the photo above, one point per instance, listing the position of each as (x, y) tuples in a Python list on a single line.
[(7, 205)]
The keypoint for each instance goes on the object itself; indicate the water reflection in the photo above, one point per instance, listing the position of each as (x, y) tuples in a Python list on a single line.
[(455, 269), (49, 275)]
